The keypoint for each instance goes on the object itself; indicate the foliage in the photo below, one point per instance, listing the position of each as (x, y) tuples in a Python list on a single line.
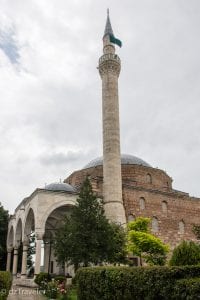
[(125, 283), (4, 216), (60, 278), (196, 231), (31, 250), (52, 290), (187, 289), (144, 244), (186, 253), (30, 253), (71, 294), (55, 287), (140, 224), (42, 277), (87, 237), (5, 284)]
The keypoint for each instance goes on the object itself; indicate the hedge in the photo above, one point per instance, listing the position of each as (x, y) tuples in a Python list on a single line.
[(5, 284), (128, 283), (187, 289)]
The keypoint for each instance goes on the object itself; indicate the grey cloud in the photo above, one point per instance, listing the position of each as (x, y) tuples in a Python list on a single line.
[(50, 118), (9, 46)]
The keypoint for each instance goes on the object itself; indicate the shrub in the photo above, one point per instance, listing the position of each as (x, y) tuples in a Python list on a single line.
[(41, 278), (60, 278), (187, 253), (52, 289), (5, 284), (187, 289), (125, 283)]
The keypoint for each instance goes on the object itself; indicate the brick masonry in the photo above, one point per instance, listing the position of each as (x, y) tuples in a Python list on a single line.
[(148, 192)]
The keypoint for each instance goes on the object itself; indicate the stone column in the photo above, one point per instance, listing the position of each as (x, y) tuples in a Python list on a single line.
[(15, 261), (9, 255), (46, 256), (24, 259), (39, 237)]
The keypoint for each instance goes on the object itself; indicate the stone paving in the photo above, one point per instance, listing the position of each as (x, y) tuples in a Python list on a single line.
[(24, 293)]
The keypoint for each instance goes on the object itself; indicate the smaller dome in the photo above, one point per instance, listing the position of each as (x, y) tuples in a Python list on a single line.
[(60, 187)]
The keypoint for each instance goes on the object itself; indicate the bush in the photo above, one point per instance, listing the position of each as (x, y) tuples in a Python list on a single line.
[(5, 284), (125, 283), (41, 278), (187, 253), (187, 289), (60, 278), (52, 290)]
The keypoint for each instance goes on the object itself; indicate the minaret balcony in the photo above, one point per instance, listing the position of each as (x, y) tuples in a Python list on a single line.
[(109, 56)]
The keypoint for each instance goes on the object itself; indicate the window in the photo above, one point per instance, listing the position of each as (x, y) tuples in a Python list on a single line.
[(149, 178), (131, 217), (142, 203), (164, 207), (154, 224), (181, 226)]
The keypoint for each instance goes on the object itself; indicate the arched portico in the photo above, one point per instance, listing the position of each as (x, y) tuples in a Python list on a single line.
[(10, 245), (53, 222), (38, 215), (17, 246)]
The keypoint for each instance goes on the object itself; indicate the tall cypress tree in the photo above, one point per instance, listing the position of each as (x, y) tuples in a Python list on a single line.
[(87, 237), (4, 216)]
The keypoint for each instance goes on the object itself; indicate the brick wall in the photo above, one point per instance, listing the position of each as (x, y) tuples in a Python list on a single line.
[(148, 192)]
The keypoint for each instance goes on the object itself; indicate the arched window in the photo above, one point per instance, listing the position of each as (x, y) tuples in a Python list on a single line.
[(131, 217), (149, 178), (142, 203), (181, 226), (164, 207), (155, 224)]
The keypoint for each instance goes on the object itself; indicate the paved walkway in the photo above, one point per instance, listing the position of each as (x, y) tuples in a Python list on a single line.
[(24, 293)]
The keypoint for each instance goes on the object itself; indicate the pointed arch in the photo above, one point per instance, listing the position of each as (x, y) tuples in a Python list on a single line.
[(29, 223), (65, 202), (10, 238), (18, 232)]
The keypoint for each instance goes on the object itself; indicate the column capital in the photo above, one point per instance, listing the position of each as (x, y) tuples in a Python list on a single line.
[(39, 235)]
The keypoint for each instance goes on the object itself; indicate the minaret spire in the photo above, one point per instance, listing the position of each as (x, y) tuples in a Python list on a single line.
[(109, 69), (108, 29)]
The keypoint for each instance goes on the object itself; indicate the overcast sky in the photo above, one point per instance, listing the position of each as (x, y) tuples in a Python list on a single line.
[(50, 89)]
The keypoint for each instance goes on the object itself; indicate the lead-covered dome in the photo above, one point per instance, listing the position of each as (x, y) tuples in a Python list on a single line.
[(64, 187), (126, 159)]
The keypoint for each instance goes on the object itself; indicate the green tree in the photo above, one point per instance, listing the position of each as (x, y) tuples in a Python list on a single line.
[(186, 253), (86, 236), (144, 244), (196, 231), (4, 216)]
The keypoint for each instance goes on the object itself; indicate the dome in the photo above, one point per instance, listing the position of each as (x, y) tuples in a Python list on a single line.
[(126, 159), (65, 187)]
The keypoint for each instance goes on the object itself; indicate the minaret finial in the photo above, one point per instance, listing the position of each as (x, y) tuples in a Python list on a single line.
[(108, 29)]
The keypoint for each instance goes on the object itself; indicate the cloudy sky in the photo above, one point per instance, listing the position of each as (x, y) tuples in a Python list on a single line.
[(50, 90)]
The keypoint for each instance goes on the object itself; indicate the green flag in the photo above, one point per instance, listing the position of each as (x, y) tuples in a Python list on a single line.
[(115, 41)]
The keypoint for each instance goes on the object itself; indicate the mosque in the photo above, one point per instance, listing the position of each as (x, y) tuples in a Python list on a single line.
[(129, 186)]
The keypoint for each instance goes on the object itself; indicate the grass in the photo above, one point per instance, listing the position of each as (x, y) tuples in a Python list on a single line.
[(72, 295)]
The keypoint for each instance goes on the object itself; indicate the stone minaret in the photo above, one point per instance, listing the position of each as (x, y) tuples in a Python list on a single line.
[(109, 69)]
